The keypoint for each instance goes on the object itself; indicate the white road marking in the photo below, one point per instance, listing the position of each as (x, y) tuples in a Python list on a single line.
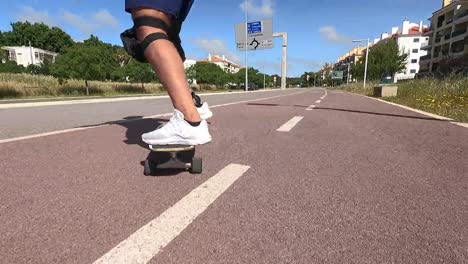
[(146, 243), (318, 101), (310, 108), (290, 124), (415, 110), (107, 100), (325, 95), (127, 121)]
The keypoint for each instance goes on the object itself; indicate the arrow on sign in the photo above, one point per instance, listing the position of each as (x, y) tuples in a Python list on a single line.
[(255, 41)]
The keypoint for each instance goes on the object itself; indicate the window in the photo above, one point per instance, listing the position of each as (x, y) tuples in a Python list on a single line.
[(413, 71), (416, 40), (415, 50), (414, 61)]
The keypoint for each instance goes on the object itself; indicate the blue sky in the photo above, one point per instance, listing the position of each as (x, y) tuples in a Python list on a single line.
[(319, 31)]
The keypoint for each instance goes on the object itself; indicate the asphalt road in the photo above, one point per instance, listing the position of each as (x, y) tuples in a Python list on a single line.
[(350, 180)]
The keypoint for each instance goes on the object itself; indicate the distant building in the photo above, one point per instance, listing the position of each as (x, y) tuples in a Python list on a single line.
[(189, 63), (225, 64), (29, 55), (410, 40), (448, 35)]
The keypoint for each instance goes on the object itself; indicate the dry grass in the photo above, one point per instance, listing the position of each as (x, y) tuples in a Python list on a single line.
[(447, 97), (26, 85)]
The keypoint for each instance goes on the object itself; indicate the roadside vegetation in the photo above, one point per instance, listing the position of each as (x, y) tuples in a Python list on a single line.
[(445, 97)]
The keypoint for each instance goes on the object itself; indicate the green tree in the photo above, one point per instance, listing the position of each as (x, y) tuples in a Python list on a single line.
[(255, 76), (40, 35), (11, 67), (140, 72), (384, 58), (208, 73), (90, 60)]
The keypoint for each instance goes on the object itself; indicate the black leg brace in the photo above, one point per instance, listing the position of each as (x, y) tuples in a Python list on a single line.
[(136, 49)]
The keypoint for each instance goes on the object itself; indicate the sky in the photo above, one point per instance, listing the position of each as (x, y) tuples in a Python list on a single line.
[(319, 31)]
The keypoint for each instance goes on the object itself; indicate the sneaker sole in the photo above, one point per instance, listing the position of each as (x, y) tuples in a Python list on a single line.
[(179, 142)]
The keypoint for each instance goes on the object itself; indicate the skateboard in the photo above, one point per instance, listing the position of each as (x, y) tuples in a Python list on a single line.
[(194, 166)]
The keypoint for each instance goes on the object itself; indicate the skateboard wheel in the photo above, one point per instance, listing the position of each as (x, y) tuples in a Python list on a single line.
[(149, 169), (197, 166)]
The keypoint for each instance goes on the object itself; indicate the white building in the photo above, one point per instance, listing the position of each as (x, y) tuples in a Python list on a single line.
[(189, 63), (225, 64), (29, 55), (410, 40)]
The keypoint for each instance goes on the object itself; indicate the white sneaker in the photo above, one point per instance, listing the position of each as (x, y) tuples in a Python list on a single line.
[(178, 132), (204, 111)]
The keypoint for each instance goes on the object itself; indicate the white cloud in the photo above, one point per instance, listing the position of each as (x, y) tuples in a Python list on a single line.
[(307, 64), (28, 13), (99, 20), (78, 22), (330, 34), (216, 47), (105, 18), (264, 10), (268, 65), (84, 23)]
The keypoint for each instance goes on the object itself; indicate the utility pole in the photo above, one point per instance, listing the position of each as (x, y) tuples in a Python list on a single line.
[(367, 58), (246, 48)]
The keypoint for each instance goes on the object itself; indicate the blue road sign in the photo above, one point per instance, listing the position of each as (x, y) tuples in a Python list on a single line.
[(254, 27)]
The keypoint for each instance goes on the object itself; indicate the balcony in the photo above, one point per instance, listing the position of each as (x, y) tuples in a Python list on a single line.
[(447, 35), (458, 32), (425, 58), (461, 17), (429, 32), (427, 47)]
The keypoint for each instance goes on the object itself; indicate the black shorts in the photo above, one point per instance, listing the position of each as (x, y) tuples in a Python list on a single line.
[(177, 8)]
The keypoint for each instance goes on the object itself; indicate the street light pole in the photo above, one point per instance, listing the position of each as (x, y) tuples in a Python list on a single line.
[(246, 47), (347, 77), (367, 58)]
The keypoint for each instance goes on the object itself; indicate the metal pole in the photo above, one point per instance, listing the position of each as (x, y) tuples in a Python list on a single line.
[(246, 63), (264, 81), (284, 64), (347, 78), (284, 61), (367, 59)]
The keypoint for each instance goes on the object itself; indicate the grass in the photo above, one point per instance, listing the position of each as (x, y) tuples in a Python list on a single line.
[(446, 97), (14, 86), (27, 86)]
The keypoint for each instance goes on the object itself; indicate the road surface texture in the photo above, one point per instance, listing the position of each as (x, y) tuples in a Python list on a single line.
[(306, 177)]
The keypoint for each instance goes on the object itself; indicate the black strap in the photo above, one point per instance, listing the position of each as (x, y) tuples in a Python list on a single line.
[(150, 38), (151, 22)]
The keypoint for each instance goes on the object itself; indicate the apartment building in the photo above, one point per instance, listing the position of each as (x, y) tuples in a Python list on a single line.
[(351, 57), (28, 55), (225, 64), (448, 37), (410, 40)]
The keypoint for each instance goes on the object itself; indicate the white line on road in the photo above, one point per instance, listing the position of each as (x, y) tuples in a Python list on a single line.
[(145, 243), (318, 101), (325, 95), (109, 100), (310, 108), (290, 124), (127, 121)]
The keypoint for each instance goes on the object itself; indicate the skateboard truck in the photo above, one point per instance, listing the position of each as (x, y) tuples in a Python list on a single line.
[(194, 166)]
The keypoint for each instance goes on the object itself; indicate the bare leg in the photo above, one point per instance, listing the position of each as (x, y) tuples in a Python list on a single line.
[(166, 62)]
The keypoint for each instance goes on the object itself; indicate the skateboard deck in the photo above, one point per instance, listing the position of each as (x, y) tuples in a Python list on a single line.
[(194, 165), (170, 148)]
